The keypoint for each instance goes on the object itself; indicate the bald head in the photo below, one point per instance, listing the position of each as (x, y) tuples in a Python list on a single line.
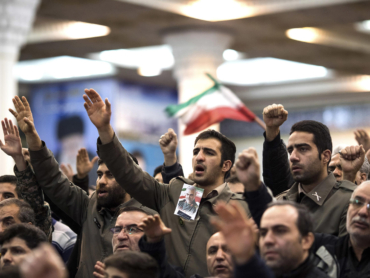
[(219, 262)]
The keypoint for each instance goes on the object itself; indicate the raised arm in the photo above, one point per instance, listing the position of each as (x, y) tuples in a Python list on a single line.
[(255, 192), (276, 170), (139, 184), (70, 199), (171, 168), (26, 180)]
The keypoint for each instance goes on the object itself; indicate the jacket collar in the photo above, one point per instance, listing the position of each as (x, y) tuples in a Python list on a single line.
[(302, 270), (319, 194)]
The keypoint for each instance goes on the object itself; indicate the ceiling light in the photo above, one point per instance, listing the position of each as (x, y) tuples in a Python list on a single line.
[(62, 67), (364, 83), (363, 26), (232, 55), (149, 71), (216, 10), (260, 71), (66, 30), (150, 60), (306, 34)]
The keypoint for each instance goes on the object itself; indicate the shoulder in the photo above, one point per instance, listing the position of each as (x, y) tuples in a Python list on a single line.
[(181, 180), (282, 195), (345, 186)]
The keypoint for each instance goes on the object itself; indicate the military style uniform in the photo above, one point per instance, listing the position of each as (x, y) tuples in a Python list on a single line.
[(183, 205), (328, 201)]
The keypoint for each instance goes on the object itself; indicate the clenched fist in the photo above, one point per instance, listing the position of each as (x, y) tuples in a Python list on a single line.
[(274, 116), (351, 160), (168, 144), (248, 169)]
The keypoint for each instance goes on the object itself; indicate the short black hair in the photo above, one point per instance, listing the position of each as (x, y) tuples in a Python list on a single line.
[(142, 209), (12, 180), (32, 235), (304, 219), (25, 214), (321, 135), (228, 148), (134, 264), (158, 170), (101, 161)]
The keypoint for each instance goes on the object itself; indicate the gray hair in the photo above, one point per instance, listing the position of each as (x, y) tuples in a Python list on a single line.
[(338, 149), (25, 214), (191, 188)]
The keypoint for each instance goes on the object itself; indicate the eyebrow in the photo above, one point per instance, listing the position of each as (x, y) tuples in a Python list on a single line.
[(7, 218), (204, 148), (299, 145)]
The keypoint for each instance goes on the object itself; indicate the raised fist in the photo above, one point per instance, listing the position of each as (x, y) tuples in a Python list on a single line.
[(351, 160), (274, 115), (248, 169), (168, 144)]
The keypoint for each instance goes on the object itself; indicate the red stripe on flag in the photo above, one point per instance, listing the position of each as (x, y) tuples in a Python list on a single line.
[(210, 117)]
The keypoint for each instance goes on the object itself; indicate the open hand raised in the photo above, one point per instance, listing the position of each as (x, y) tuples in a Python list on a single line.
[(23, 114), (98, 111), (13, 145)]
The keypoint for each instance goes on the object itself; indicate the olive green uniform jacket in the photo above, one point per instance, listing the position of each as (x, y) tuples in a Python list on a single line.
[(186, 245), (96, 243)]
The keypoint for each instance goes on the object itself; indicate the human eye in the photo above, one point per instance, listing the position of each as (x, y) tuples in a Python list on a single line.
[(263, 232), (134, 230), (195, 151), (8, 196), (19, 251), (8, 222), (280, 230), (212, 250), (290, 150), (99, 174), (116, 230)]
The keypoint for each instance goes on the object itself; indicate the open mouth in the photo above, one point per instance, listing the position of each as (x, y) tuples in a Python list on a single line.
[(199, 169), (102, 193), (296, 168), (123, 247)]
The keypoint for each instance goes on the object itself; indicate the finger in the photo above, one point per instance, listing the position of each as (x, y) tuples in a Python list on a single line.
[(108, 105), (70, 168), (15, 114), (26, 104), (16, 131), (86, 107), (93, 95), (4, 128), (167, 231), (28, 122), (19, 103), (11, 126), (7, 126), (94, 160), (239, 211), (87, 100), (100, 263)]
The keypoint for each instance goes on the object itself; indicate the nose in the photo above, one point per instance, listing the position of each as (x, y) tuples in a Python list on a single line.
[(200, 156), (1, 227), (102, 180), (363, 211), (122, 235), (337, 172), (294, 156), (220, 254), (268, 239), (7, 258)]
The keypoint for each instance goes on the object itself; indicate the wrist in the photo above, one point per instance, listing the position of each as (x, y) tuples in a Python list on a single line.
[(252, 186), (81, 176), (349, 177), (271, 133), (170, 159)]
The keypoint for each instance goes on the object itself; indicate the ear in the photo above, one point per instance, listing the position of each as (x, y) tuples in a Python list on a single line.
[(226, 166), (325, 156), (307, 241), (363, 177)]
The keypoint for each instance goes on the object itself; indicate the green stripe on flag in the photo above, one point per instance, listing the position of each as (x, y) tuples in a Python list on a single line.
[(171, 110)]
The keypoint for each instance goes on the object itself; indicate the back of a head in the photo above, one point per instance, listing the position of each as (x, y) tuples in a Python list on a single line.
[(228, 148), (133, 264), (32, 235), (321, 134), (304, 219), (25, 214), (158, 170)]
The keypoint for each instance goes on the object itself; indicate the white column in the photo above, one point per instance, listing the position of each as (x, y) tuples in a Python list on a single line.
[(16, 18), (196, 53)]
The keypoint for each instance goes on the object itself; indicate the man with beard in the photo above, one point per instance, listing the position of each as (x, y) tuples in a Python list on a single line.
[(213, 156), (189, 204), (94, 214), (305, 177)]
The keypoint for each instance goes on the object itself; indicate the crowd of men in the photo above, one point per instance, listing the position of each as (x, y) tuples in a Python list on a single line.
[(309, 217)]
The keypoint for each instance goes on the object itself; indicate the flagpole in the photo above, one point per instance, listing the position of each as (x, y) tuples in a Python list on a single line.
[(260, 123)]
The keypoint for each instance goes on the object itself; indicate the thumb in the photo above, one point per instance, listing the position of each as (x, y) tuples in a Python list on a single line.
[(107, 103), (167, 231), (28, 122), (95, 159)]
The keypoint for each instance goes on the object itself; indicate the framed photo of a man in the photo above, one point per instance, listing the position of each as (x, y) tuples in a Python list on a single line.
[(188, 204)]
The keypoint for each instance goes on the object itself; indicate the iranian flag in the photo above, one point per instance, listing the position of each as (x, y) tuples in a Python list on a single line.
[(210, 107)]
